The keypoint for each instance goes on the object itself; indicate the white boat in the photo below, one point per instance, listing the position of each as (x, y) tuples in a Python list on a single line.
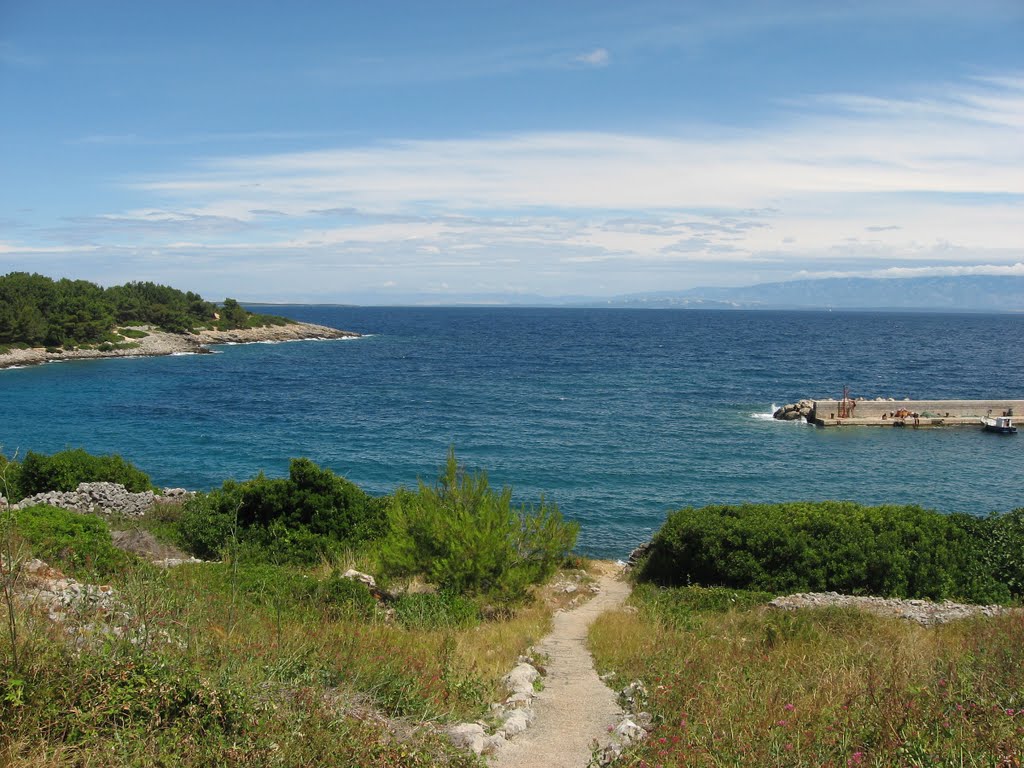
[(1001, 424)]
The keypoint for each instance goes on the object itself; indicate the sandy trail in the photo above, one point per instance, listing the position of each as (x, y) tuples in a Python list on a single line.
[(575, 708)]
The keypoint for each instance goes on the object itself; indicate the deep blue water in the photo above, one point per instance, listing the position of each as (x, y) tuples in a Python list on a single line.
[(616, 415)]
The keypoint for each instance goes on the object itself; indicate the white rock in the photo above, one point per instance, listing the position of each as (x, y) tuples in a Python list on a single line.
[(629, 732), (366, 578), (518, 720), (494, 743), (520, 679), (468, 736)]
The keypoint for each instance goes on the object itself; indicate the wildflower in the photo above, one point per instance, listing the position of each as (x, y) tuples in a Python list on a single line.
[(857, 758), (789, 707)]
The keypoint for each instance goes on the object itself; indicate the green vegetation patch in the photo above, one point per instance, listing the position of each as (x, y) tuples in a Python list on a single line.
[(77, 544), (36, 310), (303, 518), (63, 471), (902, 551), (467, 538), (436, 610)]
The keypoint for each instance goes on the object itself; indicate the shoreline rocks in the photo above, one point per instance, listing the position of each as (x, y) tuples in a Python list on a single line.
[(793, 411), (161, 343)]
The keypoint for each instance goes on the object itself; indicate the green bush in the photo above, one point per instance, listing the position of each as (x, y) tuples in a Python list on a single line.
[(468, 539), (1005, 548), (298, 519), (73, 542), (902, 551), (63, 471)]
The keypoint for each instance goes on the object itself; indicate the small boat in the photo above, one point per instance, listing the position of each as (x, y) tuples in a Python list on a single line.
[(1001, 424)]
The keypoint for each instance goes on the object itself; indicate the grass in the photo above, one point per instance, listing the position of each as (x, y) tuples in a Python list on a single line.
[(256, 665), (735, 684), (132, 333)]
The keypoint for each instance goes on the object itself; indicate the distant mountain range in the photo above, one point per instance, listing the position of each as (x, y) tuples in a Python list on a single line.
[(968, 293)]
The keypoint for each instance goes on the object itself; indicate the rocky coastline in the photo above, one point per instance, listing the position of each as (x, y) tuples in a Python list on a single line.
[(160, 343)]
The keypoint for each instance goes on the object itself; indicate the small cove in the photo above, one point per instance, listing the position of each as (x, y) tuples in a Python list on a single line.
[(616, 415)]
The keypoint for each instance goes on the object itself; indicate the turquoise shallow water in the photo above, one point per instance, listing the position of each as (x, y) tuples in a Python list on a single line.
[(617, 415)]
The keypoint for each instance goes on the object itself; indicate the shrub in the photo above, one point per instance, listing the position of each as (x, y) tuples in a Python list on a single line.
[(891, 550), (1005, 546), (70, 541), (468, 539), (63, 471), (298, 519)]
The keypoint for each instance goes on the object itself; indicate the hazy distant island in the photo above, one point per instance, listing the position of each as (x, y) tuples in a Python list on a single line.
[(960, 293), (43, 320)]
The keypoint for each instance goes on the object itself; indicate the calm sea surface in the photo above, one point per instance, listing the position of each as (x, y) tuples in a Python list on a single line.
[(616, 415)]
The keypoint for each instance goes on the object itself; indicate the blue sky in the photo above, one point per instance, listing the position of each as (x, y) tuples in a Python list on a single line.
[(344, 151)]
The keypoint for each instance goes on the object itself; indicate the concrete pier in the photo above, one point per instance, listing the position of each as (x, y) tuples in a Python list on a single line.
[(919, 413)]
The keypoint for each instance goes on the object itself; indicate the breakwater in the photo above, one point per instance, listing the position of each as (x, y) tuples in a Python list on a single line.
[(887, 412)]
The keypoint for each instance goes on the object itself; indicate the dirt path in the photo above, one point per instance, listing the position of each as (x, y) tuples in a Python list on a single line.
[(575, 707)]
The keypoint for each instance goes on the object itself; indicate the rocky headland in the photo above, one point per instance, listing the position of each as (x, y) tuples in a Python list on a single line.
[(157, 343)]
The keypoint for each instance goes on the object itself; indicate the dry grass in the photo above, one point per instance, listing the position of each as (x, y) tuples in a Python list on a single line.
[(826, 688), (247, 668)]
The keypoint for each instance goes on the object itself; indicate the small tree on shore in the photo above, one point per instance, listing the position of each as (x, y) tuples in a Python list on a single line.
[(463, 536)]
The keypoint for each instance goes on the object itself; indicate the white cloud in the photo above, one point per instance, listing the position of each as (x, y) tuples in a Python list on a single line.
[(930, 271), (599, 57), (848, 181)]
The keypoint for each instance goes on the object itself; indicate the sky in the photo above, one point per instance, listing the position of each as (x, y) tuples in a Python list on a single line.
[(369, 152)]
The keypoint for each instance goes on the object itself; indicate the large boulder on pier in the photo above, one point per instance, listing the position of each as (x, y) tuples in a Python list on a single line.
[(794, 411)]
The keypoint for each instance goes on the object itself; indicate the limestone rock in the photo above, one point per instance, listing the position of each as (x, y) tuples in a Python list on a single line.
[(521, 678), (517, 721), (469, 736), (628, 732), (923, 612), (366, 578)]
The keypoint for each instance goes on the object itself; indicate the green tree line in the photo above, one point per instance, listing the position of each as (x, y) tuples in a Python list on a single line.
[(39, 311)]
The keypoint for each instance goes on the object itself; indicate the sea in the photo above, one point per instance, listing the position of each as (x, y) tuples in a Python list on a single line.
[(616, 415)]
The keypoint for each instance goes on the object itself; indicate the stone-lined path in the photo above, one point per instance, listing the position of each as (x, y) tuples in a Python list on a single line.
[(575, 708)]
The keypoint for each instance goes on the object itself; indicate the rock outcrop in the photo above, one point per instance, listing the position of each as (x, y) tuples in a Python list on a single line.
[(923, 612), (793, 411), (104, 499), (158, 343), (513, 716)]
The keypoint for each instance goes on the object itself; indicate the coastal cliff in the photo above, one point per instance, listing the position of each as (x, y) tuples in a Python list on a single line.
[(157, 343)]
